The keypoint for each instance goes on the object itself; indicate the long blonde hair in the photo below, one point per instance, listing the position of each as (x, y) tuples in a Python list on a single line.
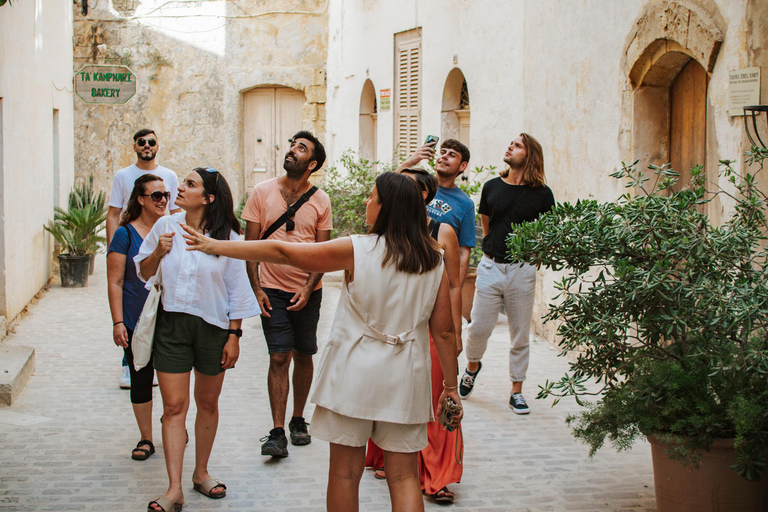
[(533, 169)]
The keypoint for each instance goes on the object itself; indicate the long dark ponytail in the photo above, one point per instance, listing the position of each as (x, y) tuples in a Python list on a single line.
[(219, 217), (402, 222)]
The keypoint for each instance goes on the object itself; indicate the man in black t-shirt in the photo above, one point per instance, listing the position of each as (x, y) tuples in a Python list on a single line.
[(518, 195)]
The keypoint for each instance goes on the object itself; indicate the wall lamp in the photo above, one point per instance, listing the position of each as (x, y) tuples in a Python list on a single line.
[(753, 111)]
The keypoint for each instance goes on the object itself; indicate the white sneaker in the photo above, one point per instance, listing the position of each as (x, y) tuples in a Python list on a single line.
[(125, 378)]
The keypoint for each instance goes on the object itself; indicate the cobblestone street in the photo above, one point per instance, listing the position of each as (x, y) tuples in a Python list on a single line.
[(66, 442)]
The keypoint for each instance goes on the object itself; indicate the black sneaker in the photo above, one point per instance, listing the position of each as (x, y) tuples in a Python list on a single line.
[(467, 383), (517, 404), (299, 434), (276, 444)]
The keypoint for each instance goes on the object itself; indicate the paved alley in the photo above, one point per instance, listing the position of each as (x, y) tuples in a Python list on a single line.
[(66, 443)]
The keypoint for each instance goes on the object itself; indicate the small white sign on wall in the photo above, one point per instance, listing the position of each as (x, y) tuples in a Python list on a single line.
[(743, 89)]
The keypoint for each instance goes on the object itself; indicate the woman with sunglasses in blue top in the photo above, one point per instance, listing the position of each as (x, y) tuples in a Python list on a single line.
[(203, 303), (147, 204)]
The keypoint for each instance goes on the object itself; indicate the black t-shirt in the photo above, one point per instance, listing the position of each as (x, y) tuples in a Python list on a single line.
[(506, 204)]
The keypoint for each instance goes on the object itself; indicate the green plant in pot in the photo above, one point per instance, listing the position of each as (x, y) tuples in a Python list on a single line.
[(81, 196), (667, 314), (77, 232)]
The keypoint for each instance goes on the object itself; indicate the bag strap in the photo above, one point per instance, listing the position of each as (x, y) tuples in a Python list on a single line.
[(282, 220), (158, 274)]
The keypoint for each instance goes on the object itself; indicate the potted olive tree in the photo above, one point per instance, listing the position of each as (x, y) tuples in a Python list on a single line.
[(77, 232), (667, 315)]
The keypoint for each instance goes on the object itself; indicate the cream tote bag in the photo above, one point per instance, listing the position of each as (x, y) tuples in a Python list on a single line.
[(144, 334)]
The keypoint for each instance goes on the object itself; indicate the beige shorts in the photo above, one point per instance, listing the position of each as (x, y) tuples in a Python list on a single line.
[(392, 437)]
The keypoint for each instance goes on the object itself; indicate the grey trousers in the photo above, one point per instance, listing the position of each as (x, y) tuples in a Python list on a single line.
[(513, 285)]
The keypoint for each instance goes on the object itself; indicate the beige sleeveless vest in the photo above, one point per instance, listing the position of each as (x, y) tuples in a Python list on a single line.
[(376, 364)]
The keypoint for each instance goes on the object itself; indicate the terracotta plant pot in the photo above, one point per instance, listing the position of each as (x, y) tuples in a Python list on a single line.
[(712, 487), (74, 270), (468, 293)]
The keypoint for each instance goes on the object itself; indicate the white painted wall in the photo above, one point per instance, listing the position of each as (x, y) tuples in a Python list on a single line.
[(552, 68), (35, 79), (486, 37)]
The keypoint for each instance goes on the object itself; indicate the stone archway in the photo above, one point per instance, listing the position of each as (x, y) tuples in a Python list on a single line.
[(454, 116), (670, 41), (367, 147)]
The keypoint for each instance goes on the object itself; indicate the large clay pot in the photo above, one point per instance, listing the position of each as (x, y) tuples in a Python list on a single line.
[(712, 487), (74, 270), (91, 263), (468, 293)]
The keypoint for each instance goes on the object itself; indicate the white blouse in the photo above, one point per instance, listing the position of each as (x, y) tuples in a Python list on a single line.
[(215, 289)]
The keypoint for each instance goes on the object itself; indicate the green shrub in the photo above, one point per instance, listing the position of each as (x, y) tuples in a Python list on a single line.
[(666, 311), (348, 187)]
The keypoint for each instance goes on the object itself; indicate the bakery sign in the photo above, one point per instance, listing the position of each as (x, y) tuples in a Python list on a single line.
[(105, 84)]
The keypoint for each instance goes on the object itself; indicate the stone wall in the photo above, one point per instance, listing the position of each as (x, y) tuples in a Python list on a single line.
[(193, 63), (36, 142)]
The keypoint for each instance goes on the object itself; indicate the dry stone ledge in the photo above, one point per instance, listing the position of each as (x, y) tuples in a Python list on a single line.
[(16, 367)]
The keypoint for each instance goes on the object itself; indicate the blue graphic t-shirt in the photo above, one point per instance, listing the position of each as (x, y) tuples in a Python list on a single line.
[(134, 293), (453, 207)]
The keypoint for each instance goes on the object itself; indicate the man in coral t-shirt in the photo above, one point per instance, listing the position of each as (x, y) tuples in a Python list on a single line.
[(289, 298)]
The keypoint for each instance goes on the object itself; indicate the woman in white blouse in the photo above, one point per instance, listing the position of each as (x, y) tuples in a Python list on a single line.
[(204, 301)]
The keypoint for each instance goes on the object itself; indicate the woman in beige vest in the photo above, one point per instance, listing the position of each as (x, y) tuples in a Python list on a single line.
[(374, 378)]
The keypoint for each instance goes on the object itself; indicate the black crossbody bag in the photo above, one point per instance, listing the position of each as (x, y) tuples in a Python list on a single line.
[(282, 220)]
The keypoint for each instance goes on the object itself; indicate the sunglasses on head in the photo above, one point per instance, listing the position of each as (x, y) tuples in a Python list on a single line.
[(150, 142), (158, 196), (213, 170)]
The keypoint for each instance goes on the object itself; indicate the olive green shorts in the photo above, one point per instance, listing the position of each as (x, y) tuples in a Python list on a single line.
[(184, 341)]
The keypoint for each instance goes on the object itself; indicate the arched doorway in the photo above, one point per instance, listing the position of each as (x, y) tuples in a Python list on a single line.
[(455, 109), (368, 125), (271, 116), (668, 74)]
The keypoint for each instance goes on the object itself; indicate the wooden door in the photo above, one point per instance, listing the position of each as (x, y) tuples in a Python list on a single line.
[(688, 121), (288, 104), (271, 116)]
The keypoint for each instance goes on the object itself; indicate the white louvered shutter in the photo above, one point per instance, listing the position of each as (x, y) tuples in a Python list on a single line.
[(408, 96)]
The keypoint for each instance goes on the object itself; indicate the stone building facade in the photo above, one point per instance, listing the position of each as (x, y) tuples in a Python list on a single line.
[(597, 83), (224, 83), (36, 142)]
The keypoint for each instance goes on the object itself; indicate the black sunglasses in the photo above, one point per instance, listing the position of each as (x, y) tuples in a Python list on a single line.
[(158, 196), (150, 142), (289, 224)]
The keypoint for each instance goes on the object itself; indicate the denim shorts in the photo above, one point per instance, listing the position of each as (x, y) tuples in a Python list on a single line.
[(291, 330)]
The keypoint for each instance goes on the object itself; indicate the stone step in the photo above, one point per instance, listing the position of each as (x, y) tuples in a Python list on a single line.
[(17, 364)]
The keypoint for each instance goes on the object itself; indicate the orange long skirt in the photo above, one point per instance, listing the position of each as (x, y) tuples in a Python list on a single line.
[(438, 464)]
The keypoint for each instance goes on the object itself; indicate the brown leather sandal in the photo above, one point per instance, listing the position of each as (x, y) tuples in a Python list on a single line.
[(140, 453)]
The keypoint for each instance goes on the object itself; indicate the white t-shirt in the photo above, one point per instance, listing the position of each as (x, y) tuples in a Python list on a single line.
[(122, 184)]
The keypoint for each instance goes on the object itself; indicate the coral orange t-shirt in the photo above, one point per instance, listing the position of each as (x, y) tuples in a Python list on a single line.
[(265, 205)]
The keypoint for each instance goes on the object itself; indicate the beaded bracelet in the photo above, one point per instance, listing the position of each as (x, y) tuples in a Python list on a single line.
[(120, 322), (450, 387)]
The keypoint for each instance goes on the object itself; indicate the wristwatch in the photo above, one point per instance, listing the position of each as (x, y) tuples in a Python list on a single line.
[(236, 332)]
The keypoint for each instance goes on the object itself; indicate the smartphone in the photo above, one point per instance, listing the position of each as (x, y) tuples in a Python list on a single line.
[(432, 139)]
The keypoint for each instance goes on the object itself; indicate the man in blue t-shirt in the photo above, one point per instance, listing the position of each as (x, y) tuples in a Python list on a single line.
[(450, 205)]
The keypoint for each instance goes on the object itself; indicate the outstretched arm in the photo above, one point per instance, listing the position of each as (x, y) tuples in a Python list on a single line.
[(320, 257)]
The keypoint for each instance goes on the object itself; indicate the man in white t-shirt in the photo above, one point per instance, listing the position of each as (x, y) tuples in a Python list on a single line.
[(145, 145)]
